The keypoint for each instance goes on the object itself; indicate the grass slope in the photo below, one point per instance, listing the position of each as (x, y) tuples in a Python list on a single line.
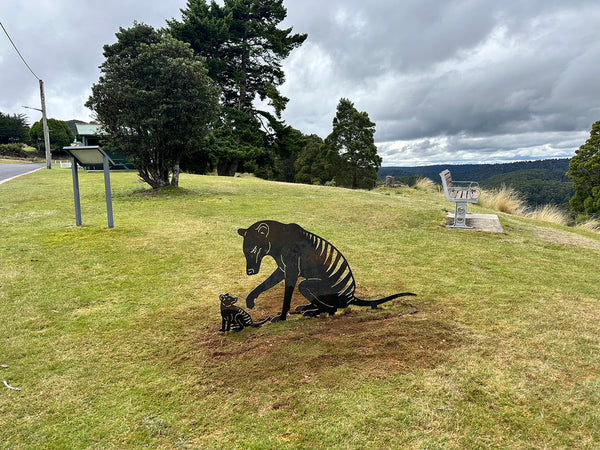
[(112, 334)]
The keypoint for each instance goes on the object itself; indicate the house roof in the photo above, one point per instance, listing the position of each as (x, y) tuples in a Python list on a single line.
[(88, 129)]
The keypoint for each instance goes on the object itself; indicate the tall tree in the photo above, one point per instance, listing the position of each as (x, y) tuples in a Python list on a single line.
[(352, 139), (584, 170), (154, 100), (287, 146), (316, 162), (244, 50), (60, 134), (13, 128)]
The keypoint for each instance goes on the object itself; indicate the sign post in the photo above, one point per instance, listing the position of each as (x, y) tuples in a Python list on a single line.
[(90, 156)]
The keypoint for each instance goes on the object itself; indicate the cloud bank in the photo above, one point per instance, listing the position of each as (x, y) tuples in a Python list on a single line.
[(455, 81)]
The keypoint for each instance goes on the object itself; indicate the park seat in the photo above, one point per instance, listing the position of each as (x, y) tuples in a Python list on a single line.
[(461, 193)]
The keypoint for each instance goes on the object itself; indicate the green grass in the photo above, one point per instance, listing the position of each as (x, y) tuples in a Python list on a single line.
[(111, 334)]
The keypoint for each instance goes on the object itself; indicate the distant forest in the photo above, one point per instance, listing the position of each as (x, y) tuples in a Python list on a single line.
[(539, 182)]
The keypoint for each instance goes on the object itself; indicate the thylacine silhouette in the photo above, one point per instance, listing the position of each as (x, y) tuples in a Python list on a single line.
[(232, 314), (328, 281)]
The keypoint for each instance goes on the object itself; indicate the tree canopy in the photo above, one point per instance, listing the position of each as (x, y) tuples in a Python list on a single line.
[(584, 170), (352, 141), (59, 132), (244, 50), (13, 128), (154, 100), (315, 164)]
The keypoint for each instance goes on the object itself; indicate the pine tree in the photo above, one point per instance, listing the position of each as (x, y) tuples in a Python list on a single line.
[(352, 139), (244, 50), (13, 128)]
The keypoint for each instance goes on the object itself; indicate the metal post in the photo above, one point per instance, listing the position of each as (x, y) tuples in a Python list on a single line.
[(76, 191), (109, 211), (45, 126), (460, 216)]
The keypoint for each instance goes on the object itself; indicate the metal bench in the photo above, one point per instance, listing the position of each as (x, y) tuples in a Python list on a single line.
[(461, 193)]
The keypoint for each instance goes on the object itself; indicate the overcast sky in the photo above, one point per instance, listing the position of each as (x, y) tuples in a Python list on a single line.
[(445, 81)]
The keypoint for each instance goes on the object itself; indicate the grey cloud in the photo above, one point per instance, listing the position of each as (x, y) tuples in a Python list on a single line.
[(459, 80)]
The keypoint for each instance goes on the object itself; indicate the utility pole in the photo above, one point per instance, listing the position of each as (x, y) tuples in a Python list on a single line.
[(45, 125), (43, 110)]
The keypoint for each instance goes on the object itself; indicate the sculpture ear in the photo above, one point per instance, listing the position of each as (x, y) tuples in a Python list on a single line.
[(242, 231), (263, 229)]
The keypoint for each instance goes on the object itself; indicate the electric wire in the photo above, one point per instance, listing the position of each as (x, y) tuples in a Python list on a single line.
[(18, 52)]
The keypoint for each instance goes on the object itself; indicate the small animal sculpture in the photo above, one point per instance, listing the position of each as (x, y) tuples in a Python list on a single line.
[(232, 314), (328, 281)]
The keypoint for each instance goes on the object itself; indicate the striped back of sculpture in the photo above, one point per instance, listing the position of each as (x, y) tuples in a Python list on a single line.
[(334, 266)]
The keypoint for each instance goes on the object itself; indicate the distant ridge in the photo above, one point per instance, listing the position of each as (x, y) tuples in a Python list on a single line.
[(539, 182), (474, 172)]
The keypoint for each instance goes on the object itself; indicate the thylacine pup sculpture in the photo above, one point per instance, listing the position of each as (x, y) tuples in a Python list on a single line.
[(328, 281), (232, 314)]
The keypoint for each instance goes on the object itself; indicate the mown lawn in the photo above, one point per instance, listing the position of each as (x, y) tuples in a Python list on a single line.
[(111, 334)]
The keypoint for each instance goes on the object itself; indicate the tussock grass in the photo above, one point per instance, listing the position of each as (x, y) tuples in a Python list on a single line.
[(112, 334), (550, 214), (505, 200), (509, 201), (425, 184), (589, 225)]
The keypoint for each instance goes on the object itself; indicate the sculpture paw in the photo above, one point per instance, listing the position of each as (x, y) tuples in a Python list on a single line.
[(250, 302), (302, 308), (277, 318), (311, 313)]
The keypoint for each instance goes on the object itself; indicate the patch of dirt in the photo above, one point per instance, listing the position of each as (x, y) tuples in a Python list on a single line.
[(377, 343), (565, 238)]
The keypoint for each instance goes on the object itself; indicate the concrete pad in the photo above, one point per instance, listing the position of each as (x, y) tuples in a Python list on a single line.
[(481, 222)]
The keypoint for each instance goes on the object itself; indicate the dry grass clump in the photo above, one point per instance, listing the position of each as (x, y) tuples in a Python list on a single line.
[(549, 213), (589, 225), (425, 184), (509, 201), (505, 200)]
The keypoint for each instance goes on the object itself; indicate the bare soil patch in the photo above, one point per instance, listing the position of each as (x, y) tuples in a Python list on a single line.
[(374, 343)]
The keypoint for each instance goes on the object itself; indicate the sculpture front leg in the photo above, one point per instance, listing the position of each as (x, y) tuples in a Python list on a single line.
[(273, 279), (287, 301)]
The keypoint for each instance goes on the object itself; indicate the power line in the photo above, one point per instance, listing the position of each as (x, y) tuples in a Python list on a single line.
[(17, 50), (43, 101)]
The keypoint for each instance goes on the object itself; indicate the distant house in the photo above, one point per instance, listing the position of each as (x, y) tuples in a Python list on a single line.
[(88, 133), (91, 134)]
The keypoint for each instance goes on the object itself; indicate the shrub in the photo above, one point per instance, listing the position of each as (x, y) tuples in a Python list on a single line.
[(13, 150)]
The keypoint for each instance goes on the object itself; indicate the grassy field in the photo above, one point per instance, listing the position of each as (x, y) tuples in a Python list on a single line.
[(111, 335)]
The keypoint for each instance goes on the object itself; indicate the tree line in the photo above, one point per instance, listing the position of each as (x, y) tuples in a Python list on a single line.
[(184, 98), (15, 131), (584, 170)]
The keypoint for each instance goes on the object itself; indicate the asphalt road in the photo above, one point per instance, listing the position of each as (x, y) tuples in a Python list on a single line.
[(9, 171)]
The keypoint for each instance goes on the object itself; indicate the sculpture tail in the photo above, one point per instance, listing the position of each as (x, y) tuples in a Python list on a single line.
[(258, 324), (373, 303)]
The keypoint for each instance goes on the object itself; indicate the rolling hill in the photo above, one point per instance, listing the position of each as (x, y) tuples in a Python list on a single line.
[(539, 182)]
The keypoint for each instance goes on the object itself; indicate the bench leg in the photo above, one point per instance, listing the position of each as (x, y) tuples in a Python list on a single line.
[(460, 216)]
